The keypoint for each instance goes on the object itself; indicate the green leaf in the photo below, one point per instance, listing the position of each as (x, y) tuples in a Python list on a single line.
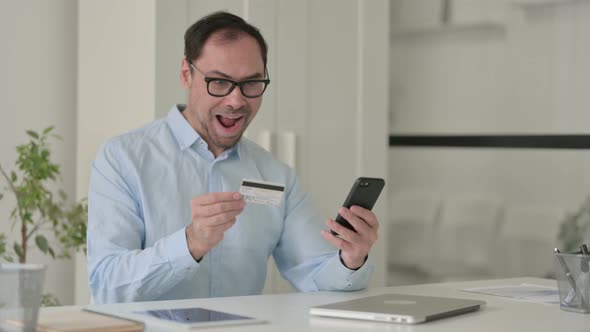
[(49, 300), (2, 244), (42, 243), (51, 252), (47, 130), (18, 250), (32, 134), (13, 176)]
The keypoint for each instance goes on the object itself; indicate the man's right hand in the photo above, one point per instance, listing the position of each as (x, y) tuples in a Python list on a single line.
[(212, 214)]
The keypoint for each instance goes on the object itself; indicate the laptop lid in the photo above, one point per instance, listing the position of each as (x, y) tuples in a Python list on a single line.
[(398, 308)]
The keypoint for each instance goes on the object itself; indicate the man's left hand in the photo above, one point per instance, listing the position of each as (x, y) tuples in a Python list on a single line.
[(354, 246)]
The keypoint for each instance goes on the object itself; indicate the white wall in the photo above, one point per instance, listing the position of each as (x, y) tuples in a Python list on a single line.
[(171, 20), (38, 89), (116, 84)]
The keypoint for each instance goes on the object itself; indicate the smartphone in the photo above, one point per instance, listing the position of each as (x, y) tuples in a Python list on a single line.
[(364, 193)]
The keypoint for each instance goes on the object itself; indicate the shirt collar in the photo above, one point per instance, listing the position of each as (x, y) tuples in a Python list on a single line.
[(186, 135)]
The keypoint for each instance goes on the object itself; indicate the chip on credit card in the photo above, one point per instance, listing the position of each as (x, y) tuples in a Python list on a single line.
[(262, 192)]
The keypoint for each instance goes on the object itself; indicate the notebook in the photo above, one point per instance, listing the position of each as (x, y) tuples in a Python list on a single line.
[(398, 308), (79, 320)]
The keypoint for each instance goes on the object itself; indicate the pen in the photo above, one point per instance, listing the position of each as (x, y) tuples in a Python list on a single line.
[(572, 293), (585, 260)]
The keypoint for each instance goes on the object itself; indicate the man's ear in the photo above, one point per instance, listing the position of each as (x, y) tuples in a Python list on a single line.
[(185, 74)]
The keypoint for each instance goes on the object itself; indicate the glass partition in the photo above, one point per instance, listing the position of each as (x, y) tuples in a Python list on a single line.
[(489, 136)]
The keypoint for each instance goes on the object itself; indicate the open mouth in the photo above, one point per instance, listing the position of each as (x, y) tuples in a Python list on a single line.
[(230, 122)]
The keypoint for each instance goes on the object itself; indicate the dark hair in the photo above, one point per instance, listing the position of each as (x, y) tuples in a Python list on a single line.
[(231, 27)]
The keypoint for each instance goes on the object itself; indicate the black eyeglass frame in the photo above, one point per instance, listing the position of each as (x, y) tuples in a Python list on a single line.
[(233, 83)]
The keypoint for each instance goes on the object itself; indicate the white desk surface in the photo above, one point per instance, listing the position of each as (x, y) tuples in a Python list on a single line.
[(290, 312)]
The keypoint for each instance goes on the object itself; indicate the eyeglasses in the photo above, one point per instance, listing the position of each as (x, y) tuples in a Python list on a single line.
[(221, 87)]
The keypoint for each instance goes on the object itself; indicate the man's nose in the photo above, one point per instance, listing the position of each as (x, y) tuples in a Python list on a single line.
[(236, 99)]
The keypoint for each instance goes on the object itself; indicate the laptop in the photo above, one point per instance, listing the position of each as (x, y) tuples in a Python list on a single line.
[(398, 308)]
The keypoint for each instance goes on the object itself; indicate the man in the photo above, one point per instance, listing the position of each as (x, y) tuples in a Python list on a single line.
[(165, 218)]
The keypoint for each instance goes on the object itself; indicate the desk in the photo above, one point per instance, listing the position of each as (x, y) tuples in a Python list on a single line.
[(290, 312)]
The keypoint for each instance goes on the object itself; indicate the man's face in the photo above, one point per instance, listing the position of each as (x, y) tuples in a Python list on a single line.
[(221, 121)]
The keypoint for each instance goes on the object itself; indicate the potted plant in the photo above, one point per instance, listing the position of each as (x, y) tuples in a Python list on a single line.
[(38, 211)]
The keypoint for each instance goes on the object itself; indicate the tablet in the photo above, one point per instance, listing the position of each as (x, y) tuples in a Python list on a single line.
[(196, 317), (186, 318)]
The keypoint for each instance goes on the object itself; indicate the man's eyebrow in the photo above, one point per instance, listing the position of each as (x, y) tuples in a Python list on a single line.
[(223, 75)]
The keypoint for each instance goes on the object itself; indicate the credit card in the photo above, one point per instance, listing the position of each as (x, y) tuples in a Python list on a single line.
[(262, 192)]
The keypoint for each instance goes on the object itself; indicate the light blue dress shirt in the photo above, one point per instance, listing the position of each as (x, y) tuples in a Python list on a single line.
[(141, 187)]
